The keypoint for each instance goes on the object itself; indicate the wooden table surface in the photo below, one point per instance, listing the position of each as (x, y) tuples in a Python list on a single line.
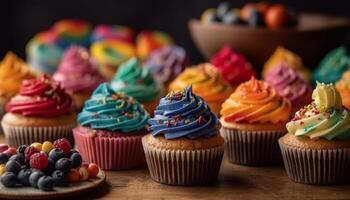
[(234, 182)]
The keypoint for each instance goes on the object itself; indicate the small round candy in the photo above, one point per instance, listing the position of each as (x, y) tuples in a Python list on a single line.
[(84, 174), (277, 16), (222, 9), (73, 176), (45, 183), (3, 147), (2, 169), (37, 145), (245, 12), (47, 146), (93, 170), (9, 179)]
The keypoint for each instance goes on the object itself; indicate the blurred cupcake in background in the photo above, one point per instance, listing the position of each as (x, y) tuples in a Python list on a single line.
[(332, 66), (167, 63), (41, 111), (139, 83), (233, 66), (148, 41), (43, 53), (253, 118), (13, 71), (289, 84), (110, 129), (115, 32), (206, 82), (282, 55), (185, 146), (109, 54), (78, 74), (72, 31), (343, 86), (316, 149)]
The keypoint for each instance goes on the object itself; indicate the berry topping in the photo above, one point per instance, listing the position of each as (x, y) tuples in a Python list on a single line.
[(39, 161), (63, 144)]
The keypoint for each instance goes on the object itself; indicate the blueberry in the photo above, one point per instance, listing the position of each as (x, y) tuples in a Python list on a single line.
[(9, 179), (64, 164), (19, 158), (45, 183), (3, 158), (59, 178), (231, 18), (50, 167), (23, 176), (222, 9), (255, 18), (34, 177), (13, 166), (71, 152), (21, 149), (76, 160), (56, 154)]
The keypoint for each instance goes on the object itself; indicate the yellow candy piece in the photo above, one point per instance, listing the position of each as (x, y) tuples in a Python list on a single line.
[(84, 174), (2, 169), (47, 146), (37, 145)]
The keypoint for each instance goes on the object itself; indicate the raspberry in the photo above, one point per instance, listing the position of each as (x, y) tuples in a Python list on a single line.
[(29, 152), (63, 144), (39, 161)]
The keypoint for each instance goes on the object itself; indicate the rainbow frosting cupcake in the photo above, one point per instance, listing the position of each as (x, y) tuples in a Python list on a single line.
[(78, 74), (233, 66), (253, 118), (207, 82), (343, 86), (184, 147), (332, 66), (115, 32), (139, 83), (110, 131), (290, 85), (316, 149)]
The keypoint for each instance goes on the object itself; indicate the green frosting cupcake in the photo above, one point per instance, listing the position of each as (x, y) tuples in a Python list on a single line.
[(333, 65), (136, 81)]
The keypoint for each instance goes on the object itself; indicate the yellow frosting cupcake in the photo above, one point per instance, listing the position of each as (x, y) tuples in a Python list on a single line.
[(206, 82), (343, 86)]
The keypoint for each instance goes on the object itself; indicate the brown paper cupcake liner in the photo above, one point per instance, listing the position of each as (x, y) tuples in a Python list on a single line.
[(316, 166), (256, 148), (111, 153), (183, 167), (18, 135)]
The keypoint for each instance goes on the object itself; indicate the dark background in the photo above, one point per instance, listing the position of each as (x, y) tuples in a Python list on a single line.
[(20, 20)]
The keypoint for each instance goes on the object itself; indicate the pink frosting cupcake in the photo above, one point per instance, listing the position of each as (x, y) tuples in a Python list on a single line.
[(78, 74), (290, 85)]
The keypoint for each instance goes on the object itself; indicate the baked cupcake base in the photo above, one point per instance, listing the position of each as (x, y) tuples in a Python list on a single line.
[(80, 98), (111, 151), (150, 106), (319, 162), (183, 161)]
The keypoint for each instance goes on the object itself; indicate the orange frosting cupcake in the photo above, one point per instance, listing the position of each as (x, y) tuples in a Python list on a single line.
[(343, 86)]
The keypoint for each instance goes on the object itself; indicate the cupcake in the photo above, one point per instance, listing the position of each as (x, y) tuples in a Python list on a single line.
[(109, 54), (139, 83), (316, 149), (233, 66), (115, 32), (13, 71), (332, 66), (206, 82), (184, 147), (41, 111), (167, 63), (343, 86), (78, 74), (253, 118), (289, 84), (110, 131), (282, 55), (148, 41)]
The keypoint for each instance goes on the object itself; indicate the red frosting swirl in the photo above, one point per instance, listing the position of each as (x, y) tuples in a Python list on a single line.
[(41, 97)]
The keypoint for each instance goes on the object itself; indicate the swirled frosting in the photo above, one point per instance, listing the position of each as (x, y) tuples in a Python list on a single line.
[(167, 63), (12, 72), (136, 81), (282, 55), (41, 97), (343, 86), (255, 101), (323, 118), (77, 72), (112, 52), (290, 85), (115, 32), (332, 66), (206, 82), (183, 114), (112, 111), (233, 66)]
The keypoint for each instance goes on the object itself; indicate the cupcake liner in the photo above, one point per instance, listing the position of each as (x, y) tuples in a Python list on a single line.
[(256, 148), (18, 135), (183, 167), (110, 153), (316, 166)]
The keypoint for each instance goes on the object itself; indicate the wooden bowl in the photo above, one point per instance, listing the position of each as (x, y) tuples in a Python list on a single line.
[(312, 38)]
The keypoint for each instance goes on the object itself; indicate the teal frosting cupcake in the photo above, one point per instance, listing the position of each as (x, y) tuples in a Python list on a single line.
[(332, 66)]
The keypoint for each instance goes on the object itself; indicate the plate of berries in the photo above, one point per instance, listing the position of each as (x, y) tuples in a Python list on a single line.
[(48, 170)]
